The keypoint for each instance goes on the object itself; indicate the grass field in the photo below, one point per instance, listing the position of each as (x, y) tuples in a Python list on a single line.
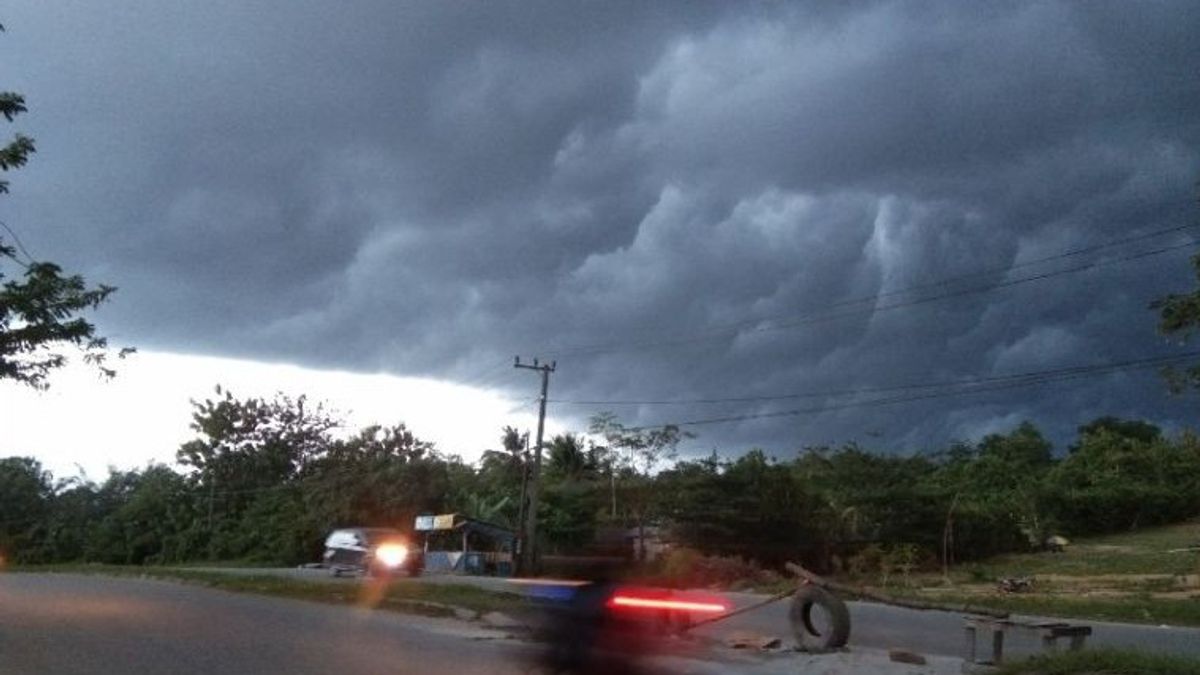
[(1103, 662), (1131, 576), (1142, 552)]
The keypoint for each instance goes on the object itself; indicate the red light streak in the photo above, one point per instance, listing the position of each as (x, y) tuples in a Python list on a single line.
[(633, 602)]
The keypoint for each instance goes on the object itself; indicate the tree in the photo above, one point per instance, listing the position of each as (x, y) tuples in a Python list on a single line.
[(638, 452), (255, 443), (25, 492), (500, 478), (40, 311), (1115, 480), (382, 476), (567, 459), (246, 450), (148, 517), (752, 506), (1136, 429), (1179, 316)]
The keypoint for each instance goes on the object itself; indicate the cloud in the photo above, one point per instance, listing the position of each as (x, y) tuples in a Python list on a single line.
[(431, 189)]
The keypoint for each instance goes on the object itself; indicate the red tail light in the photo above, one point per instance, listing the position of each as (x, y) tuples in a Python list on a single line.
[(651, 599)]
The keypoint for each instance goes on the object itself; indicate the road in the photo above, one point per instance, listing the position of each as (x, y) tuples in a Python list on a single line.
[(928, 632), (64, 624), (70, 625), (874, 626)]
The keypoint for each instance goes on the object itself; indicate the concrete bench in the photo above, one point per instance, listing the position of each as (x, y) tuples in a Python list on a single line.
[(1048, 632)]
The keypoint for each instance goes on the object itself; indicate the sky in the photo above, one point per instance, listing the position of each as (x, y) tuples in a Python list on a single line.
[(145, 414), (781, 224)]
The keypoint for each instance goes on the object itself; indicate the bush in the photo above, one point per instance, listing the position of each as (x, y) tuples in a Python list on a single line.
[(688, 568)]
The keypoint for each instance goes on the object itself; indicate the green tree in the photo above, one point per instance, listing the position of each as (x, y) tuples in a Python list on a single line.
[(750, 507), (1115, 481), (637, 453), (25, 494), (1179, 317), (40, 309), (568, 460), (148, 517), (245, 449), (1135, 429), (382, 476), (254, 443), (862, 498), (71, 521)]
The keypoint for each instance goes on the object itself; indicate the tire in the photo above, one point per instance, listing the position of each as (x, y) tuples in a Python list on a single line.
[(800, 616)]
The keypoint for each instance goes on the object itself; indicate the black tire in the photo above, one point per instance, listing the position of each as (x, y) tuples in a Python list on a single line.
[(800, 616)]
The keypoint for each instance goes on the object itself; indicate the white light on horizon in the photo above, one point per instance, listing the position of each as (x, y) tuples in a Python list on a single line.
[(85, 423)]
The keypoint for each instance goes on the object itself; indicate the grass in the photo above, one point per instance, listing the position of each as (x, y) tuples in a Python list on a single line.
[(402, 595), (1127, 577), (1138, 552), (1123, 609), (1103, 662)]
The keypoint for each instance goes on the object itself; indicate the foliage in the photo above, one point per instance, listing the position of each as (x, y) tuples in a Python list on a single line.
[(750, 506), (631, 456), (1179, 317), (1113, 481), (264, 480), (40, 311), (25, 490), (684, 567)]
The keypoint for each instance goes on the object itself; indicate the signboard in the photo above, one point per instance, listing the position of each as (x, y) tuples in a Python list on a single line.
[(444, 521)]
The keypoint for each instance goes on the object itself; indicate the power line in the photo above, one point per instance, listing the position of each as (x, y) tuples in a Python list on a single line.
[(522, 405), (983, 385), (992, 287), (832, 393), (489, 378), (1021, 265), (947, 281), (814, 315)]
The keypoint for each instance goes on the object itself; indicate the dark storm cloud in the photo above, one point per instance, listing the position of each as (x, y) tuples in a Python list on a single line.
[(431, 188)]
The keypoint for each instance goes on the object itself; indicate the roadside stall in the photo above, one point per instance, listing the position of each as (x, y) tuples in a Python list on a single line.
[(456, 544)]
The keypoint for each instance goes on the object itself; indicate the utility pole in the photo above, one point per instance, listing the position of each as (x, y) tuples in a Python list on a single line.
[(529, 557), (519, 557)]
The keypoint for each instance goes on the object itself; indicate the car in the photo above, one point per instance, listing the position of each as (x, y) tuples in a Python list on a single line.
[(373, 551)]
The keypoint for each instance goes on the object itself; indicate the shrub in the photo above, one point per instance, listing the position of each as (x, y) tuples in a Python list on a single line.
[(685, 567)]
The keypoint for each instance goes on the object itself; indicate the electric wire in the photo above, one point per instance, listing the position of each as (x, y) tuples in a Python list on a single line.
[(821, 313), (999, 384)]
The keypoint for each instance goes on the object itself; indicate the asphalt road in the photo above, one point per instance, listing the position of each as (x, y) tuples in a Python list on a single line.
[(874, 626), (929, 632), (65, 624), (68, 625)]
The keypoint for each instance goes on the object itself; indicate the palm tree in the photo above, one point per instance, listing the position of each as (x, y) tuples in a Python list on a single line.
[(567, 458)]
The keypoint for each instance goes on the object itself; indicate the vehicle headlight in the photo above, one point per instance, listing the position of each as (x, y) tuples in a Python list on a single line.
[(391, 555)]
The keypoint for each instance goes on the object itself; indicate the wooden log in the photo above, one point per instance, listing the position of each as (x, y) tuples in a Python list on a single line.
[(869, 594)]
